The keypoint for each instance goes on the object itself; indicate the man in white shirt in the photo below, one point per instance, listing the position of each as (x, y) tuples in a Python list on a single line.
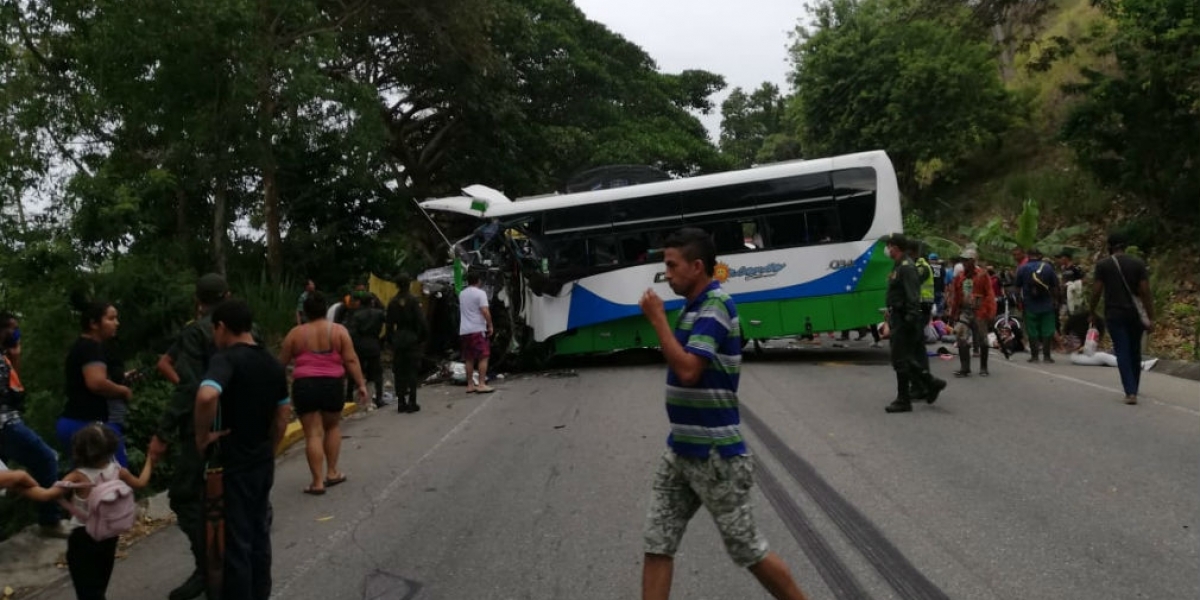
[(475, 329)]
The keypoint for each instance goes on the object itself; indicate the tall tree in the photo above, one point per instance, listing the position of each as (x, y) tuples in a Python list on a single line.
[(928, 94), (1138, 127), (748, 120)]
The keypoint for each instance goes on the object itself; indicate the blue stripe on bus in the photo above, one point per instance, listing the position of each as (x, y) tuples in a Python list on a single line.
[(588, 308)]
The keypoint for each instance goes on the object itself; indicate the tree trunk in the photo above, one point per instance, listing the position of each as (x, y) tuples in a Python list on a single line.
[(271, 212), (219, 227)]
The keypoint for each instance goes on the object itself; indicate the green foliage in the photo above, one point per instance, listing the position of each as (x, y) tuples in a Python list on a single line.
[(867, 78), (748, 121), (1136, 126)]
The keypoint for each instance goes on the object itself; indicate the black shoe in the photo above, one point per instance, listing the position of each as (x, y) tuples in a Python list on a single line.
[(414, 407), (1048, 360), (935, 389), (962, 373), (1034, 359), (899, 406), (194, 587)]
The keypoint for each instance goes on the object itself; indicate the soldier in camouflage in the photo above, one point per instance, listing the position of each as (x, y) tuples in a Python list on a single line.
[(907, 341), (184, 364)]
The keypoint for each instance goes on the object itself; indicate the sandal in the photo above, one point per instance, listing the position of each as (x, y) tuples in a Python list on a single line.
[(314, 492), (332, 482)]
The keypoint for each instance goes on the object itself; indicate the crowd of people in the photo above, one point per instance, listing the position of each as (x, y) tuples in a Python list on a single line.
[(1035, 306), (229, 409)]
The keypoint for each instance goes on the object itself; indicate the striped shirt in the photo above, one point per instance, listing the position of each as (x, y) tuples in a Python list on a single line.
[(705, 415)]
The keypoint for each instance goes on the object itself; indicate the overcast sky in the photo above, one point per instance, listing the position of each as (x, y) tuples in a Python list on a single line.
[(745, 41)]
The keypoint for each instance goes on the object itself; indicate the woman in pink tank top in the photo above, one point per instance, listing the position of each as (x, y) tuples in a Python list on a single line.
[(323, 355)]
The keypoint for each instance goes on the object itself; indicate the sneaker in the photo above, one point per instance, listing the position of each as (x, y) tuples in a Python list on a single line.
[(984, 373), (194, 587), (899, 406), (962, 373), (1130, 399)]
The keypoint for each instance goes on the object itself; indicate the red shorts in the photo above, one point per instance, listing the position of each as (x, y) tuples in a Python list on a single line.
[(475, 346)]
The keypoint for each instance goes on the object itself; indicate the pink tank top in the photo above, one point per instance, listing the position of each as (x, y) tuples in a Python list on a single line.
[(319, 363)]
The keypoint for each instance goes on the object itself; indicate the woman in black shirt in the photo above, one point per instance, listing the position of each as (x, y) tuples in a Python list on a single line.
[(89, 386)]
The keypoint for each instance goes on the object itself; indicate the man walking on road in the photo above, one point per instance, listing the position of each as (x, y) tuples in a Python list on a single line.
[(407, 331), (475, 331), (184, 365), (1128, 309), (706, 463), (972, 304), (309, 288), (913, 379), (244, 393), (1038, 285)]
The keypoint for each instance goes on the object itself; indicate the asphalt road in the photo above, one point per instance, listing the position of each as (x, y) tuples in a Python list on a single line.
[(1034, 483)]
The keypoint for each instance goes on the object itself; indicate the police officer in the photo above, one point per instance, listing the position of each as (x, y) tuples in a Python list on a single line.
[(907, 343), (407, 331), (184, 364), (366, 328), (925, 275)]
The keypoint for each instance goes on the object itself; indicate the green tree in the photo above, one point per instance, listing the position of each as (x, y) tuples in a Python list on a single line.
[(749, 120), (1138, 127), (866, 79)]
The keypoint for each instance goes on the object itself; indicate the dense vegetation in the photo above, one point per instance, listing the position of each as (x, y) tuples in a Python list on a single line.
[(143, 142)]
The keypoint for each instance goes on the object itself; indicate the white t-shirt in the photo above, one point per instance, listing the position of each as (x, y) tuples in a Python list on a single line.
[(471, 303)]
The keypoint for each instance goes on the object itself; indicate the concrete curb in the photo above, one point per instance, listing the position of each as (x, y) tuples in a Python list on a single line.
[(1178, 368), (295, 433)]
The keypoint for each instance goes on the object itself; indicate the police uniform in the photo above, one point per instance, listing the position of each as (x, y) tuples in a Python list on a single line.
[(907, 343), (366, 326), (407, 331)]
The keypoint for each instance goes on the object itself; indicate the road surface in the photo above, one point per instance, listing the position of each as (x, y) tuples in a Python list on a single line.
[(1034, 483)]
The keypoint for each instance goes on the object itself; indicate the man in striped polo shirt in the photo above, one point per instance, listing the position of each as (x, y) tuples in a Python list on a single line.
[(706, 462)]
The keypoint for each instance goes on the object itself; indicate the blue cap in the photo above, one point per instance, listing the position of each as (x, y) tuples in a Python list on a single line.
[(933, 256)]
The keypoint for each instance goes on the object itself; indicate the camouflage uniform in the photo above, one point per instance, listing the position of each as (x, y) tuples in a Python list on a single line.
[(683, 484), (190, 354)]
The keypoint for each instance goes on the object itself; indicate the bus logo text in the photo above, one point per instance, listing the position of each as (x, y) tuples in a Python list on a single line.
[(839, 264)]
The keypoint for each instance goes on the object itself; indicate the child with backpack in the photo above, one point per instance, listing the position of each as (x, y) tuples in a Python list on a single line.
[(99, 496)]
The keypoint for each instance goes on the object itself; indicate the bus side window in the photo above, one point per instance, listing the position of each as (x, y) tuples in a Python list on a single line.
[(602, 252), (822, 227)]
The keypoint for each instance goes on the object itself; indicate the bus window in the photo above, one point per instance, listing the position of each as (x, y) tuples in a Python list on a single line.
[(856, 195), (575, 219), (644, 213), (751, 237), (602, 251), (821, 227)]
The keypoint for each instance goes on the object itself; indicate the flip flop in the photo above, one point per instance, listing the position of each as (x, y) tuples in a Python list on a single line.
[(310, 491), (485, 390), (332, 482)]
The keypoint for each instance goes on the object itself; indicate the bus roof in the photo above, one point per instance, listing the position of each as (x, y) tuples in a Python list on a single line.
[(484, 202)]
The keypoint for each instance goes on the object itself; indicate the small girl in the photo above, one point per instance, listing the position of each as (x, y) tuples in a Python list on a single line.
[(90, 561)]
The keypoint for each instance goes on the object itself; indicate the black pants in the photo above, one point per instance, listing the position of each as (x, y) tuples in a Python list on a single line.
[(907, 340), (405, 369), (186, 493), (248, 533), (90, 564), (372, 370)]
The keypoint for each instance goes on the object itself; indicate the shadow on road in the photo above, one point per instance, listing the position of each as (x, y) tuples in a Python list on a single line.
[(774, 352)]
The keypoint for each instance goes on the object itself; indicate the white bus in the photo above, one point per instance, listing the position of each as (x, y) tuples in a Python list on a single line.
[(799, 248)]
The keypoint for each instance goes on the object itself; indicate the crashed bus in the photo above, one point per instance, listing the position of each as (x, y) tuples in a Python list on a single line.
[(799, 248)]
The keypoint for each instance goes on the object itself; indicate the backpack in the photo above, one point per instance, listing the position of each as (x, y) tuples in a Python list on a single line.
[(1038, 289), (111, 507)]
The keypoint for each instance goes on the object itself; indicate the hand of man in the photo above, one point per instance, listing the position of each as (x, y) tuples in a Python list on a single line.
[(205, 438), (652, 306), (157, 448)]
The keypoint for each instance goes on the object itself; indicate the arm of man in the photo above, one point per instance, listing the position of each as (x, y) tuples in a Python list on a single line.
[(687, 366), (487, 316), (208, 398), (1147, 299), (166, 365)]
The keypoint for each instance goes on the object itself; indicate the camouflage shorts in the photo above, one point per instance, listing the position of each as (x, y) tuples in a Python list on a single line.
[(722, 485)]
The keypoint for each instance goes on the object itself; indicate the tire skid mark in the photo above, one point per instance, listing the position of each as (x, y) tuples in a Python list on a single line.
[(840, 580), (891, 564)]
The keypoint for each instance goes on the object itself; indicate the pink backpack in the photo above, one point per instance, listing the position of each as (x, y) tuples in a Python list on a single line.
[(111, 507)]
